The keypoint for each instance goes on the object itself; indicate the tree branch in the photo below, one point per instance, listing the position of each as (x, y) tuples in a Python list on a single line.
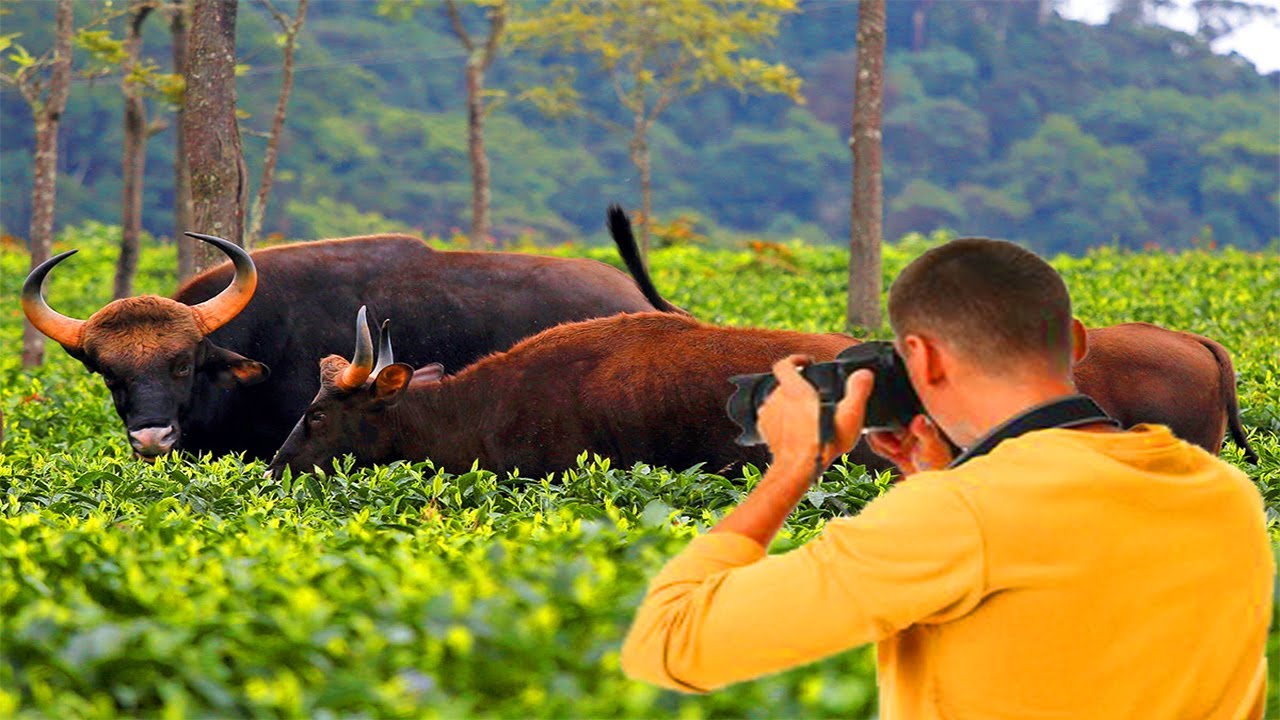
[(668, 94), (666, 98), (259, 208), (60, 76), (455, 21), (600, 120), (497, 22), (621, 92), (276, 14), (140, 13)]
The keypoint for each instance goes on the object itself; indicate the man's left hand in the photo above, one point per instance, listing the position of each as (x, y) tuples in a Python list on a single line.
[(788, 419)]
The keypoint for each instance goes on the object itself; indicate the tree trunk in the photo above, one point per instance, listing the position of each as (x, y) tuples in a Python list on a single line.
[(640, 156), (133, 160), (277, 126), (219, 191), (479, 160), (48, 117), (182, 213), (867, 214)]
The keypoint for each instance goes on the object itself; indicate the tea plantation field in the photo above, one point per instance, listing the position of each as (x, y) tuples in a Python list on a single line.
[(196, 588)]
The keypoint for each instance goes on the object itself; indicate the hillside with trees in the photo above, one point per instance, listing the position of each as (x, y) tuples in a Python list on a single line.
[(1000, 119)]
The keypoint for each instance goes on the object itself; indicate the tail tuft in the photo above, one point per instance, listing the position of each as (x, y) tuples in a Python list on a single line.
[(625, 239)]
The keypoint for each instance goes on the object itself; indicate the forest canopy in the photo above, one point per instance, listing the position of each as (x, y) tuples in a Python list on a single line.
[(997, 122)]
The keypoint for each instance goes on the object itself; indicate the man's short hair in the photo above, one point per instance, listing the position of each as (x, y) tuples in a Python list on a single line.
[(996, 303)]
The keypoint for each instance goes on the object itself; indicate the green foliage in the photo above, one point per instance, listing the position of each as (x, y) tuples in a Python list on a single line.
[(653, 53), (1076, 185), (1168, 140), (108, 54), (658, 50), (102, 47), (198, 587)]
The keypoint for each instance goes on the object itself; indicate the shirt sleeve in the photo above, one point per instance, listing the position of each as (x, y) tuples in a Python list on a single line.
[(722, 611)]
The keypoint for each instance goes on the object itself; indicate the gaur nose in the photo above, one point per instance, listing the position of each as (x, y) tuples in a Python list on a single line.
[(153, 441)]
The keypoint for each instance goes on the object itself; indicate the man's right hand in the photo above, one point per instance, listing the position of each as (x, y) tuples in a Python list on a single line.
[(918, 447)]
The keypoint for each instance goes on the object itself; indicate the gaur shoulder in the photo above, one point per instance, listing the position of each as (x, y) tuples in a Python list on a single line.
[(652, 331), (371, 246)]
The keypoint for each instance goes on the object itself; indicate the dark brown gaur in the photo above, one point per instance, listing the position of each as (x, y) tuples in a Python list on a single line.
[(177, 388), (148, 348)]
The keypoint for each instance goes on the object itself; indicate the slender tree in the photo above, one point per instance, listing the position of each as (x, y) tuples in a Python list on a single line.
[(290, 27), (219, 182), (134, 156), (482, 49), (868, 201), (44, 83), (480, 56), (182, 212), (139, 78), (654, 52)]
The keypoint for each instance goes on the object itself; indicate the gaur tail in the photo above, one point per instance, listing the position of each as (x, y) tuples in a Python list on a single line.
[(620, 230), (1227, 377)]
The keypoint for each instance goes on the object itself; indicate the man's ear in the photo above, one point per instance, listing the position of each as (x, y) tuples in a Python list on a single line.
[(229, 370), (429, 373), (924, 357), (391, 383), (1079, 341)]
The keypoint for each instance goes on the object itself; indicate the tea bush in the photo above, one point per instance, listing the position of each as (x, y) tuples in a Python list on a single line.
[(195, 587)]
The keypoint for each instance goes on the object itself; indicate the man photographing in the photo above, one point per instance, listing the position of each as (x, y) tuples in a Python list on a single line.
[(1071, 571)]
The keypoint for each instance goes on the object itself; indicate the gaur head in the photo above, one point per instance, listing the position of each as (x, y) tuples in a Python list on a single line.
[(152, 350), (349, 415)]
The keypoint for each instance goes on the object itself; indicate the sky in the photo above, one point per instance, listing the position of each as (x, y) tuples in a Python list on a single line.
[(1258, 41)]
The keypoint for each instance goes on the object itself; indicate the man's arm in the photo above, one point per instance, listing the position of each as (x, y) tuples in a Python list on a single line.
[(722, 612)]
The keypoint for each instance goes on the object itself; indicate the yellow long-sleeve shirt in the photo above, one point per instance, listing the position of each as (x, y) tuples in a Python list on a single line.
[(1067, 574)]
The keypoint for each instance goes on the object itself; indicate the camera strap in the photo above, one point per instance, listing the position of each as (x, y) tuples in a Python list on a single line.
[(1072, 411)]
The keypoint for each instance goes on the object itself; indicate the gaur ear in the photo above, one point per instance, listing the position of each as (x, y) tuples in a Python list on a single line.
[(230, 369), (392, 382), (1079, 341), (429, 373)]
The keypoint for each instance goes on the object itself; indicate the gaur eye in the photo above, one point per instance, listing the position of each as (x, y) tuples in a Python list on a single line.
[(318, 416), (182, 370)]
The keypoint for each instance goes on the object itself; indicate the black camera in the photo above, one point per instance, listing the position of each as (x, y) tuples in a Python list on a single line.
[(892, 405)]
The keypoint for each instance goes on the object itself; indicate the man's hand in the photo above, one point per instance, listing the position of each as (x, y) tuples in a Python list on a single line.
[(788, 419), (918, 447)]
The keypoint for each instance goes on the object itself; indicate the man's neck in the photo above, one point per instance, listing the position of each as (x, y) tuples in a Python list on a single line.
[(989, 402)]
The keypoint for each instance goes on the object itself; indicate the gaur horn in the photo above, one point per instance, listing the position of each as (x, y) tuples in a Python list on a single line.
[(385, 355), (354, 375), (63, 330), (221, 308)]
